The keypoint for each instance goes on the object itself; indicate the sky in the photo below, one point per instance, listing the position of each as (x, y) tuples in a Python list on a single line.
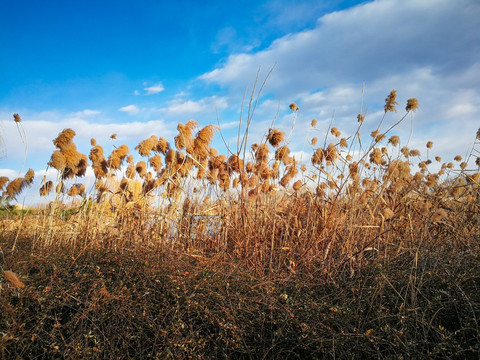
[(137, 69)]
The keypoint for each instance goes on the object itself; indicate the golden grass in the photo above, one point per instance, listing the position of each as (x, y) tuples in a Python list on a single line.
[(342, 201), (350, 252)]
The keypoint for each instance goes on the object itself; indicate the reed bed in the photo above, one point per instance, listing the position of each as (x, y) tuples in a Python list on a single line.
[(369, 249)]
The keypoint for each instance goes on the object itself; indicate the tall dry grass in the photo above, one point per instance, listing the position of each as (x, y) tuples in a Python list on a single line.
[(263, 208), (369, 249)]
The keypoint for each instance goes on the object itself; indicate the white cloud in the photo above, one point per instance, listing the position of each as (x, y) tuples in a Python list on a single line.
[(154, 89), (365, 42), (86, 112), (130, 109), (44, 127), (188, 107), (424, 49)]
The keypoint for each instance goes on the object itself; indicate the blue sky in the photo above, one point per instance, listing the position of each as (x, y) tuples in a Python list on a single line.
[(139, 68)]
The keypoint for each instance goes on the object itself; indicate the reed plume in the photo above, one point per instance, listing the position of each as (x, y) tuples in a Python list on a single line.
[(318, 156), (64, 138), (46, 188), (156, 162), (275, 137), (261, 153), (391, 101), (184, 139), (16, 186), (202, 141), (57, 160), (76, 189), (235, 164), (131, 171), (117, 156), (141, 168), (3, 181), (412, 104), (162, 145), (29, 176), (145, 147)]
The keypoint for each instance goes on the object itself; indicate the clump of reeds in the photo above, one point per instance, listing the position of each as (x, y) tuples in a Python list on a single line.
[(67, 159), (76, 189), (117, 157), (16, 186)]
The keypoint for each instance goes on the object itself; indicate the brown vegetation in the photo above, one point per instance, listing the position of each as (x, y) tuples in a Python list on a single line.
[(195, 253)]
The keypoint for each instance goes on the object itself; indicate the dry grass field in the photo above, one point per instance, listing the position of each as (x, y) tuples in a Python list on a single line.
[(177, 250)]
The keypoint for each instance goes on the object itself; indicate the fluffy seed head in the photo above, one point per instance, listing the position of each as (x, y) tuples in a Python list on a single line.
[(3, 181), (414, 152), (297, 185), (146, 146), (334, 131), (282, 153), (314, 122), (262, 152), (202, 141), (17, 118), (405, 151), (163, 145), (318, 156), (141, 168), (156, 162), (184, 138), (294, 107), (131, 171), (235, 163), (57, 160), (117, 156), (96, 154), (394, 140), (285, 180), (64, 138), (412, 104), (429, 144), (331, 153), (76, 189), (275, 137), (376, 156), (171, 158), (16, 186), (30, 174), (391, 101), (46, 188)]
